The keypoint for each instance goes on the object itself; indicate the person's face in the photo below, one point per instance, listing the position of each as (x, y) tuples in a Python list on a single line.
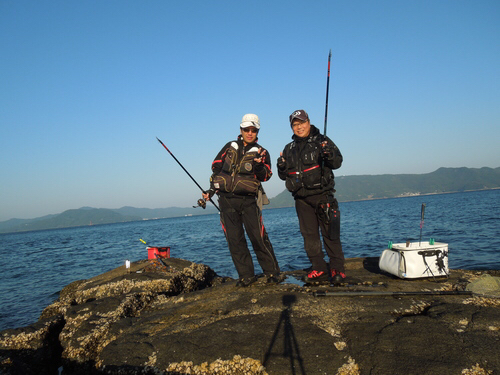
[(301, 128), (249, 134)]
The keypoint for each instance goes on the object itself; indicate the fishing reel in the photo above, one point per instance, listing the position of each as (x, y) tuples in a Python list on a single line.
[(201, 203)]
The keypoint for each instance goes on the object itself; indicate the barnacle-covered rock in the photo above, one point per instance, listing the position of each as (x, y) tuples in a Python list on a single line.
[(32, 350), (178, 317)]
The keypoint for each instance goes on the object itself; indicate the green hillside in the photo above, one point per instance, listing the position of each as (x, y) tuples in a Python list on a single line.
[(69, 218), (443, 180)]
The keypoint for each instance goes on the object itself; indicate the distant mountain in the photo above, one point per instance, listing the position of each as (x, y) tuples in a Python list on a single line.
[(69, 218), (6, 226), (443, 180), (349, 188)]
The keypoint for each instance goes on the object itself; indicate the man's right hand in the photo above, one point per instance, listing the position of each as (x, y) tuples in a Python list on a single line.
[(281, 162)]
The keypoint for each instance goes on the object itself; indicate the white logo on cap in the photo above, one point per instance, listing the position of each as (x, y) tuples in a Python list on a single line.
[(297, 113)]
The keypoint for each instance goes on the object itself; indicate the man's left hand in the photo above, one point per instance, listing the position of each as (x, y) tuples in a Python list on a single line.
[(326, 149), (261, 156)]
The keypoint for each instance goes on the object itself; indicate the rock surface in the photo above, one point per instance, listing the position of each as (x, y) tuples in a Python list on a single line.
[(181, 318)]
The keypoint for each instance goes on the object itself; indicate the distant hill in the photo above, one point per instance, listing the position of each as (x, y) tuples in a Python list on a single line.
[(443, 180), (12, 224), (349, 188), (69, 218)]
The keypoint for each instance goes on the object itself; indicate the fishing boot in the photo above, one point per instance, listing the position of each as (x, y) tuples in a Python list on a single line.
[(246, 281), (338, 277), (272, 278), (316, 276)]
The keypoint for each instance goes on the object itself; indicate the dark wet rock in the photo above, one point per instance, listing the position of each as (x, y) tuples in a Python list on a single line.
[(181, 318), (31, 350)]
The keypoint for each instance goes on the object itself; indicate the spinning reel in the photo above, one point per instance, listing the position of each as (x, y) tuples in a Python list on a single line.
[(201, 203)]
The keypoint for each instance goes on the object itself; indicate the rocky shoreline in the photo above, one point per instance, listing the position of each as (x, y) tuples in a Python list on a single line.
[(182, 318)]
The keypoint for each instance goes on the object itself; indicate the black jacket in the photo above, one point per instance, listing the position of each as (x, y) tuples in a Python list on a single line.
[(306, 169)]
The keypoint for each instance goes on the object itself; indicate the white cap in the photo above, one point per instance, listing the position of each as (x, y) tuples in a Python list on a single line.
[(250, 120)]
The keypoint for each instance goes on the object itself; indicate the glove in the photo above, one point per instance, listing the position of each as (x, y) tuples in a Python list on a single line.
[(327, 150), (281, 163), (261, 155), (208, 194)]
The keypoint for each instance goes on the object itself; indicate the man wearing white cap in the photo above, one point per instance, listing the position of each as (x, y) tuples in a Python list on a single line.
[(238, 170)]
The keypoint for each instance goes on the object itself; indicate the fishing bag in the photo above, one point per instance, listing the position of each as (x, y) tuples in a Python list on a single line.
[(415, 260), (238, 184)]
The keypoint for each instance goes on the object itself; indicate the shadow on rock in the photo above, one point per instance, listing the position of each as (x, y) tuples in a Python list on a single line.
[(371, 265), (291, 348)]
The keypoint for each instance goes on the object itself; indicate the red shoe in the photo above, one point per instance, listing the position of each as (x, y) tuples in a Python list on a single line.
[(338, 277), (315, 276)]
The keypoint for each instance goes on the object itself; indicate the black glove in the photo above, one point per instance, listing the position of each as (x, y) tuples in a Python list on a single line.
[(210, 193), (327, 150), (261, 155), (281, 163)]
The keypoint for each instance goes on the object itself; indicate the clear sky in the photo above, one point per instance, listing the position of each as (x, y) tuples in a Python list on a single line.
[(86, 86)]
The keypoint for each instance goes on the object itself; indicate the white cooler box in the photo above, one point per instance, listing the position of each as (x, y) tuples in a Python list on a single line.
[(415, 260)]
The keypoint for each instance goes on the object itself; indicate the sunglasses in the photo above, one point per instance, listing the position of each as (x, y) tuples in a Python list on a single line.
[(247, 130)]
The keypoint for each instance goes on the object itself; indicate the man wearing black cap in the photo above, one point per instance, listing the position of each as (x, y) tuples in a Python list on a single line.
[(306, 165), (238, 170)]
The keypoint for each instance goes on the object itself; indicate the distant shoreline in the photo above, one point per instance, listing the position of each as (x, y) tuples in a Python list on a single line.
[(419, 195), (264, 208)]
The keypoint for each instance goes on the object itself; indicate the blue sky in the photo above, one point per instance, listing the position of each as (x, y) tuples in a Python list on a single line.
[(86, 86)]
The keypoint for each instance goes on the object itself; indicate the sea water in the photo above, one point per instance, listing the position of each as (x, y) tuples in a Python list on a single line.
[(37, 265)]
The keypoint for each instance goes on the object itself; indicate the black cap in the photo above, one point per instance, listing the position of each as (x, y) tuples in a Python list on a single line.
[(300, 115)]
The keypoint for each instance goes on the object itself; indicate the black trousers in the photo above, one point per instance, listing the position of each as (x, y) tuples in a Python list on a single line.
[(311, 219), (239, 212)]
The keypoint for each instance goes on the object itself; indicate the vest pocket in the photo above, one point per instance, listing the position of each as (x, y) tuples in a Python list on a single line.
[(293, 183), (312, 177), (245, 186), (222, 182)]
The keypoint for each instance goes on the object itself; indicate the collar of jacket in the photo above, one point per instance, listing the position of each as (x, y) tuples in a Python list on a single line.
[(240, 141), (314, 132)]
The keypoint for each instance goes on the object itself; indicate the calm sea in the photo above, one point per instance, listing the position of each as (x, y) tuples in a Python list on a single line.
[(37, 265)]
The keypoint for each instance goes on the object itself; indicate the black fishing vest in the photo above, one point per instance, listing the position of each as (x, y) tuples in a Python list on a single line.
[(237, 175)]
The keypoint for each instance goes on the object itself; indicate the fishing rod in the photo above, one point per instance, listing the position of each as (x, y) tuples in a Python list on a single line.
[(393, 294), (422, 212), (178, 162), (327, 89)]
